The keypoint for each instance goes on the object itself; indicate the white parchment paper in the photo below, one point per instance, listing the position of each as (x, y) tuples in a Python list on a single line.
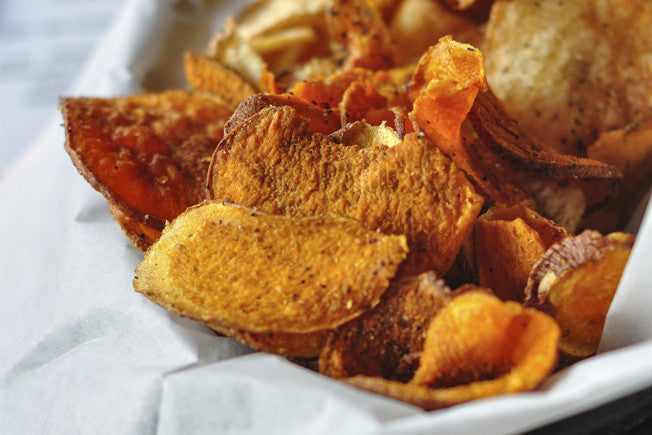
[(81, 352)]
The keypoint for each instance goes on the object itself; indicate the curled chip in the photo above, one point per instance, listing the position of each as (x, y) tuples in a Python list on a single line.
[(476, 347), (569, 70), (575, 282), (375, 343), (235, 268), (147, 154), (507, 242), (273, 162)]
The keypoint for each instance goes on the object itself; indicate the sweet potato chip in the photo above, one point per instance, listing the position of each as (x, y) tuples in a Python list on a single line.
[(208, 74), (273, 162), (505, 251), (507, 242), (323, 121), (364, 135), (575, 282), (476, 347), (374, 343), (361, 101), (147, 154), (235, 268), (569, 70)]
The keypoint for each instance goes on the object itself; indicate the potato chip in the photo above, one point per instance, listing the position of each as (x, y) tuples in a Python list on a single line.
[(208, 74), (236, 268), (567, 71), (147, 154), (374, 343), (575, 282), (294, 345), (359, 26), (361, 101), (273, 162)]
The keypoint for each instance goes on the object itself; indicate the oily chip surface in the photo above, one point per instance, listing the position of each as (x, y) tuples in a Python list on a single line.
[(236, 268)]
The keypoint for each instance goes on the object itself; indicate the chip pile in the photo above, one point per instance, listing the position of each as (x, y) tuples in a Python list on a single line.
[(404, 195)]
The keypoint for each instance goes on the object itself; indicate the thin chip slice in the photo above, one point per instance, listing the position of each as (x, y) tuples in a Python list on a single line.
[(232, 267), (375, 343), (294, 345), (273, 162), (569, 70), (507, 242), (362, 101), (208, 74), (147, 154), (320, 120), (575, 282)]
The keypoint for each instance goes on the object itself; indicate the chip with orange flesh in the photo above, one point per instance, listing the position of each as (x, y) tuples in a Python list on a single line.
[(364, 135), (375, 343), (319, 120), (273, 162), (147, 154), (232, 267), (361, 101), (505, 251), (507, 242), (207, 74), (476, 347), (575, 282)]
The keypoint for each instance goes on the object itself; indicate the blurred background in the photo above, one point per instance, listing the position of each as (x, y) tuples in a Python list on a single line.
[(43, 46)]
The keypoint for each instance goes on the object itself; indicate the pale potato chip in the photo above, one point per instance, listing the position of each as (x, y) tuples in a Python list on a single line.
[(569, 70)]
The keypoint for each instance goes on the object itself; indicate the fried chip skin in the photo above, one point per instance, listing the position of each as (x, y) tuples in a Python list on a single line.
[(374, 343), (232, 267), (575, 282), (271, 161), (147, 154)]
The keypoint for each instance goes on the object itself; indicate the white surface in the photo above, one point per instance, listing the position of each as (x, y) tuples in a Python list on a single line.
[(82, 353), (43, 45)]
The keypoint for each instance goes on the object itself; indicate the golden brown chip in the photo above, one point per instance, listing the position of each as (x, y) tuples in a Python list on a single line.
[(507, 242), (208, 74), (362, 101), (476, 347), (235, 268), (364, 135), (569, 70), (505, 251), (575, 282), (147, 154), (374, 343), (273, 162), (323, 121)]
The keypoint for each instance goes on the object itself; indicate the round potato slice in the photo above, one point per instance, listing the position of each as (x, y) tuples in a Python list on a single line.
[(234, 268)]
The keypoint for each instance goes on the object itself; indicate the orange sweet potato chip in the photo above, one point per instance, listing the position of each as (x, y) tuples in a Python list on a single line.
[(507, 242), (476, 347), (375, 343), (575, 282), (235, 268), (273, 162), (208, 74), (147, 154)]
